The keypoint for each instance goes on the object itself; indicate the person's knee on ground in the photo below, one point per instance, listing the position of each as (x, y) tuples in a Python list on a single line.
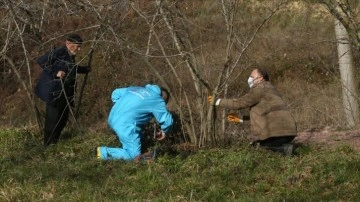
[(130, 140), (285, 149), (107, 153), (281, 145)]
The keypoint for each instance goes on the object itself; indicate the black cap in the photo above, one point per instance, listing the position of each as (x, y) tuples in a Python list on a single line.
[(74, 38)]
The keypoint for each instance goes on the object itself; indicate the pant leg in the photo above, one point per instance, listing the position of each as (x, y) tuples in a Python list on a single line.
[(63, 119), (276, 144), (129, 137), (55, 120), (276, 141), (51, 120)]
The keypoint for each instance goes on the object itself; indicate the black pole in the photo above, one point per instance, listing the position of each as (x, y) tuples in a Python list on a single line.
[(94, 42)]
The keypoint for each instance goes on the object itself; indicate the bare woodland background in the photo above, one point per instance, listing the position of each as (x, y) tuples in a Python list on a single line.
[(194, 48)]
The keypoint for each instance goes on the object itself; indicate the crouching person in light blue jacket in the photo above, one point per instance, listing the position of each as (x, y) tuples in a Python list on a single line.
[(133, 107)]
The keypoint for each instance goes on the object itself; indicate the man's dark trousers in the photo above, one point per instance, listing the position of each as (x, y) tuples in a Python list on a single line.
[(276, 144), (56, 117)]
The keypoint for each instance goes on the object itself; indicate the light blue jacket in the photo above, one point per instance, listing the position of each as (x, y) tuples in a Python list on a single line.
[(137, 105)]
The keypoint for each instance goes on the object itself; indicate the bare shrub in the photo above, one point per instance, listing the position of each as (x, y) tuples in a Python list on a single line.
[(295, 46)]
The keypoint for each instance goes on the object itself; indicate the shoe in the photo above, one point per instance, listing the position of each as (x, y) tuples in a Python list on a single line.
[(288, 149), (98, 155), (147, 157), (150, 154)]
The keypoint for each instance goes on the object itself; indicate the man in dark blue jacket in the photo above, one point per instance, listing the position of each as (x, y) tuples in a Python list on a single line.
[(57, 85)]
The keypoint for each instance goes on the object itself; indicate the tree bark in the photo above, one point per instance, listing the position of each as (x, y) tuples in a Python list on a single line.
[(351, 106)]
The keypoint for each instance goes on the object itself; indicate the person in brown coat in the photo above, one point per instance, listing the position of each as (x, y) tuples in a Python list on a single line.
[(272, 124)]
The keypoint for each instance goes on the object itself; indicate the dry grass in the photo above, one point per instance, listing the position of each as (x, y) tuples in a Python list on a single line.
[(312, 106)]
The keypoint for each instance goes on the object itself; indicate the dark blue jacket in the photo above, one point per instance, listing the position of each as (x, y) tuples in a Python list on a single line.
[(49, 87)]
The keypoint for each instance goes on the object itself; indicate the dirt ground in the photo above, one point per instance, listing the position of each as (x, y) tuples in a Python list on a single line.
[(330, 138)]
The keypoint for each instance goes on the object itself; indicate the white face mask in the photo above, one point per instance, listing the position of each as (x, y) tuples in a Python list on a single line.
[(251, 81)]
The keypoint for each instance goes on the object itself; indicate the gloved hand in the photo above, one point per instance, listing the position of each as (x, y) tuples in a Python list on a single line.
[(210, 99), (234, 118), (160, 135)]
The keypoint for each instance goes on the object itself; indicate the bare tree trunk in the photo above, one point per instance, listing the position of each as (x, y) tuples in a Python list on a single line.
[(187, 54), (189, 126), (345, 12), (26, 84), (351, 106), (229, 11)]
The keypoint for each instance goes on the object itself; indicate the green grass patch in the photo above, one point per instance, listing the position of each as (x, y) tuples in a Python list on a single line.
[(69, 171)]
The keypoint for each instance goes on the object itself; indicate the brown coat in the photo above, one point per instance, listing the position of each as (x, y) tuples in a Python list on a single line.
[(269, 115)]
